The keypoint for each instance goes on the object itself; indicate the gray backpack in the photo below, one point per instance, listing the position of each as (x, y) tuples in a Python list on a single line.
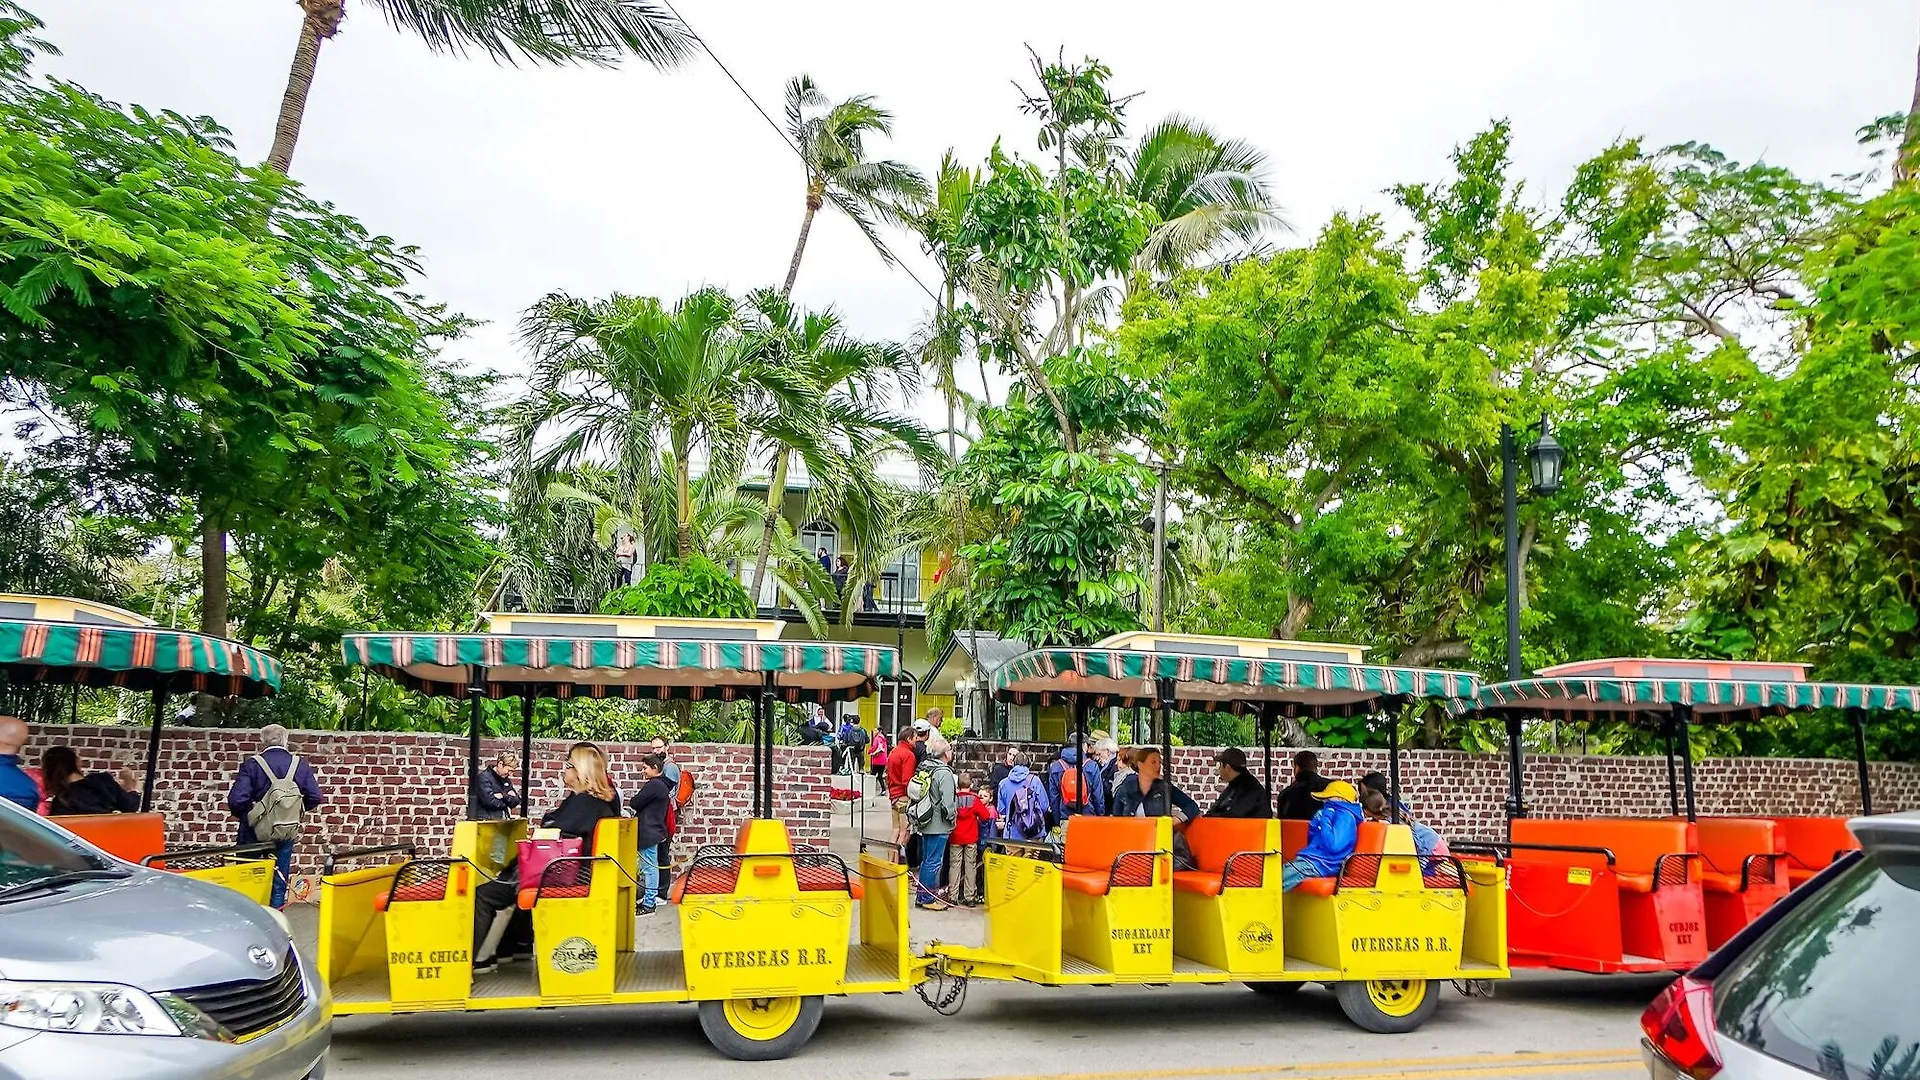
[(276, 817)]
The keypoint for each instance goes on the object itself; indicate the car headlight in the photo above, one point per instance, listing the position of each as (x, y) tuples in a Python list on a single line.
[(101, 1009)]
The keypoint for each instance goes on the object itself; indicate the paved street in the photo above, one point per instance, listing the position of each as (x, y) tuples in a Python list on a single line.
[(1555, 1026)]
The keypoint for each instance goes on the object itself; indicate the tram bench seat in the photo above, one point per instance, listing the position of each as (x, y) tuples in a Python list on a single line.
[(718, 879), (1728, 847), (1812, 844), (1215, 842), (1106, 852), (423, 882), (1638, 845), (1363, 874), (124, 836)]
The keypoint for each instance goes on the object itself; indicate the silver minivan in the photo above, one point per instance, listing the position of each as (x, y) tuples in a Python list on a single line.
[(109, 969)]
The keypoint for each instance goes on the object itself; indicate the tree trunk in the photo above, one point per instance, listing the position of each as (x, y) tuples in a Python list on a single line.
[(776, 499), (213, 572), (800, 245), (1907, 164), (685, 496), (322, 21)]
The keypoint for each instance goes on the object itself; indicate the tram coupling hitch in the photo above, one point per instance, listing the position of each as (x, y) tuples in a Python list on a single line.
[(950, 990), (1482, 988)]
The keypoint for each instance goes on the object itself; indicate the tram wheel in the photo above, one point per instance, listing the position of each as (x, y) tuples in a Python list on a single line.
[(1275, 989), (1387, 1006), (760, 1029)]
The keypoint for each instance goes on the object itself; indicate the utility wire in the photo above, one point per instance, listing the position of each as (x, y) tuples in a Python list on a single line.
[(777, 129)]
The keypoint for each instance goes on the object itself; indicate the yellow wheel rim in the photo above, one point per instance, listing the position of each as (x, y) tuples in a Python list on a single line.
[(1397, 997), (762, 1019)]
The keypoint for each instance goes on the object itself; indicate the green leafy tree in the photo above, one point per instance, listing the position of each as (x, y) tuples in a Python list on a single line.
[(193, 365), (550, 32), (1058, 566), (691, 587)]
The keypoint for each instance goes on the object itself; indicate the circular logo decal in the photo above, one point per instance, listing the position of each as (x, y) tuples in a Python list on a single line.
[(1256, 937), (575, 956)]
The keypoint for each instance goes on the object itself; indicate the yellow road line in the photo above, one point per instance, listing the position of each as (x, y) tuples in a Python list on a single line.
[(1464, 1064)]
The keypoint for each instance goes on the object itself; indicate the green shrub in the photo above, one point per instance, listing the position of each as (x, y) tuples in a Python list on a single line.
[(694, 587)]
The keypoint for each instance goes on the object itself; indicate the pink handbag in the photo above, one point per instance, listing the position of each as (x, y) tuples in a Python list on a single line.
[(536, 854)]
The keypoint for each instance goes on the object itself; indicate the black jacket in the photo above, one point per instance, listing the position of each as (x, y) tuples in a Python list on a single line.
[(99, 793), (492, 797), (578, 813), (1243, 797), (1297, 801), (650, 806)]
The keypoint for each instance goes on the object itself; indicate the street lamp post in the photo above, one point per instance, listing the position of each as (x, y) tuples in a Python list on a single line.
[(1544, 460)]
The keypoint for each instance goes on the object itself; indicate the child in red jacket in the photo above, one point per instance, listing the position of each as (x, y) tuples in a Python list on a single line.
[(973, 818)]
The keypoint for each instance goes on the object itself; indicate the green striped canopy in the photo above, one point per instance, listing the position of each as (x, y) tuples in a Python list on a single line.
[(134, 657), (1124, 677), (507, 665), (1604, 698)]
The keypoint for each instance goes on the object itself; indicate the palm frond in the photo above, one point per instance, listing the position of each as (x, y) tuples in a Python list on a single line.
[(546, 31)]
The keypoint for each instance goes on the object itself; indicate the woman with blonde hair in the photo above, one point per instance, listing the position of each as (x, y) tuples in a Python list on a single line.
[(590, 798)]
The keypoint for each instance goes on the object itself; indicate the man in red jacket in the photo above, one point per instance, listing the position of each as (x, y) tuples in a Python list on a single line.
[(902, 760)]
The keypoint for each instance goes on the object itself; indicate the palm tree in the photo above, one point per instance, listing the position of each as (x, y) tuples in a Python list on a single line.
[(548, 32), (831, 139), (854, 382), (619, 376), (1205, 189)]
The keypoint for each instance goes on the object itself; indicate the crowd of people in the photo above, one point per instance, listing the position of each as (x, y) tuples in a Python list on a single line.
[(942, 818)]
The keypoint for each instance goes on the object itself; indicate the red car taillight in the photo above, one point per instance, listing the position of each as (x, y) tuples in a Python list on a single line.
[(1679, 1024)]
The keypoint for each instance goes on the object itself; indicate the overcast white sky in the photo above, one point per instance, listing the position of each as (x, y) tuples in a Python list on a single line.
[(517, 182)]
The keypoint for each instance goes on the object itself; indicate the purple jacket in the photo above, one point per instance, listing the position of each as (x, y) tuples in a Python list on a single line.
[(251, 784)]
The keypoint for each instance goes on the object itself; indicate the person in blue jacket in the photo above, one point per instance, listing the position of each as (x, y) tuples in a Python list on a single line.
[(1094, 792), (1331, 836), (15, 785)]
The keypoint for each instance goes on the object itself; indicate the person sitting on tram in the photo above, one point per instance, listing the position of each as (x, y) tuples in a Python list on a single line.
[(1150, 794), (72, 790), (1331, 836), (1244, 796), (1375, 800), (1298, 799), (590, 798)]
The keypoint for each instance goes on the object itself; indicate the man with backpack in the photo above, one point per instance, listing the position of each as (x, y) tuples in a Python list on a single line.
[(850, 745), (932, 807), (1021, 803), (273, 790), (1070, 790)]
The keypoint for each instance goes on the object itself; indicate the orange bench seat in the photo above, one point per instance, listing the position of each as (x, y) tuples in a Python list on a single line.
[(1092, 863), (1213, 841), (1637, 845), (1371, 841)]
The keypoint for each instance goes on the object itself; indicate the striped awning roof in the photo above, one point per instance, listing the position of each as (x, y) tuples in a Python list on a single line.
[(1122, 677), (134, 657), (509, 665), (1712, 699)]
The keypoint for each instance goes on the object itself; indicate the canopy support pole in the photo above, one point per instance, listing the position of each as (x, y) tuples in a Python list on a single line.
[(153, 747), (1673, 772), (1682, 714), (1080, 748), (1516, 771), (527, 702), (1269, 713), (476, 690), (1858, 717), (765, 809), (1163, 689), (1393, 704)]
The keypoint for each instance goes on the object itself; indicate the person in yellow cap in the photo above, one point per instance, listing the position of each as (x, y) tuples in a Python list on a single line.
[(1331, 836)]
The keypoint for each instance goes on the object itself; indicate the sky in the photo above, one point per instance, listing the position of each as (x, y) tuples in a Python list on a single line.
[(517, 182)]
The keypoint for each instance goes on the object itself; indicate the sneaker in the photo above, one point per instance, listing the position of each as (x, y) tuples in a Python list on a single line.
[(647, 909), (934, 905), (486, 967)]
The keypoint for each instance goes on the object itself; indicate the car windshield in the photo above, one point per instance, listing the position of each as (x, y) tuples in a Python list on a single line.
[(1814, 991), (31, 850)]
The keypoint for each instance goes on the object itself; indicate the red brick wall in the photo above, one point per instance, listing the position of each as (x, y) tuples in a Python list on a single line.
[(391, 787), (1464, 795)]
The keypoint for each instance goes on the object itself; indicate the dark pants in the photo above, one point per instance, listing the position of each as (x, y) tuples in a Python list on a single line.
[(489, 900), (282, 872), (666, 868)]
